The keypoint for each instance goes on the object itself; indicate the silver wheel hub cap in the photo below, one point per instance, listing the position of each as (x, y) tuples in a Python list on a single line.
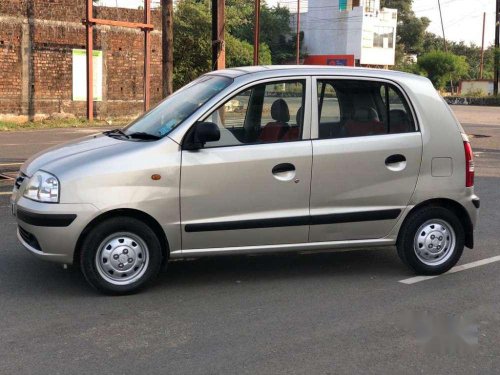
[(434, 242), (122, 258)]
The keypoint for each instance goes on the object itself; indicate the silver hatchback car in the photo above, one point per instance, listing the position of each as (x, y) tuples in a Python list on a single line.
[(260, 159)]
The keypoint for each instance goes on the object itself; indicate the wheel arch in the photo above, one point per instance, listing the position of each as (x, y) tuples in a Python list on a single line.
[(453, 206), (124, 212)]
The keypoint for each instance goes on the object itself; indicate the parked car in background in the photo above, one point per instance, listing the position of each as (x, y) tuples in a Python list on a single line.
[(258, 159)]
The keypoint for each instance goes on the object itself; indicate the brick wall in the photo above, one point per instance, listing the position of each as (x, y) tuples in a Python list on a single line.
[(36, 42)]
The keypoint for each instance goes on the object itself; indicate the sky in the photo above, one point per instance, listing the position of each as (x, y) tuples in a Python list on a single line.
[(463, 19)]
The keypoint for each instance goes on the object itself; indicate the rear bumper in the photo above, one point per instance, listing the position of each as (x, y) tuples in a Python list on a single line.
[(472, 205)]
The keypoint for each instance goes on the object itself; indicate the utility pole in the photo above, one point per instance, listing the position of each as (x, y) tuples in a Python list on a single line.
[(481, 66), (218, 28), (497, 45), (167, 46), (256, 33), (442, 26), (298, 32)]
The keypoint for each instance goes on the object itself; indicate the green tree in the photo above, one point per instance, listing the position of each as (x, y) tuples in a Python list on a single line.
[(441, 67), (193, 44), (274, 27)]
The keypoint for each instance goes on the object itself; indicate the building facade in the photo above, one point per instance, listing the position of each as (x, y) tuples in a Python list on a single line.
[(350, 27), (42, 60)]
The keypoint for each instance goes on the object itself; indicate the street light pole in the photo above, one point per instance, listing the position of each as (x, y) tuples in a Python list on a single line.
[(442, 26), (481, 66)]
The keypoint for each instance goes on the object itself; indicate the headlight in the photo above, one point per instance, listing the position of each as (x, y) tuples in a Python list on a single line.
[(43, 187)]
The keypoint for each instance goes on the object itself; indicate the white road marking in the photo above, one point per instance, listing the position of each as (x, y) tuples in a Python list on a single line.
[(9, 164), (5, 192), (24, 144), (463, 267)]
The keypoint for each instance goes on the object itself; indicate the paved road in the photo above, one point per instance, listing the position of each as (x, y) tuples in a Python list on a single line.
[(333, 313)]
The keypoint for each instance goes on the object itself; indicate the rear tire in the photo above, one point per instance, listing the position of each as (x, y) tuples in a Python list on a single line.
[(120, 255), (431, 240)]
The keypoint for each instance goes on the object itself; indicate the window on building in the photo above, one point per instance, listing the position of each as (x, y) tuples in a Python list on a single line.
[(355, 3), (383, 37), (350, 108), (265, 113), (342, 5), (370, 6)]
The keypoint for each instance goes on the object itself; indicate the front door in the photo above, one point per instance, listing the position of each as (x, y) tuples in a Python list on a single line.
[(252, 187), (366, 159)]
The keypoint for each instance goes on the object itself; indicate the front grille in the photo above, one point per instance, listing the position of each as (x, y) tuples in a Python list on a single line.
[(29, 239), (19, 180)]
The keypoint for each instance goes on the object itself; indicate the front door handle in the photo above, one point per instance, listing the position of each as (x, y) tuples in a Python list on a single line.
[(393, 159), (284, 167), (284, 172)]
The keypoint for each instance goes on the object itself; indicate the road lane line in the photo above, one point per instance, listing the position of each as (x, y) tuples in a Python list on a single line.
[(463, 267), (9, 164), (5, 192)]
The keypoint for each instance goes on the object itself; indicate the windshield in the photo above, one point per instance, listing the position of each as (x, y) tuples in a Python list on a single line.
[(169, 113)]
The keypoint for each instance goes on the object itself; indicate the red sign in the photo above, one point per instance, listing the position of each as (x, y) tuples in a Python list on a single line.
[(336, 60)]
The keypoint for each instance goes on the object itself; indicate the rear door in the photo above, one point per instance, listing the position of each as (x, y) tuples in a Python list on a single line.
[(252, 187), (366, 158)]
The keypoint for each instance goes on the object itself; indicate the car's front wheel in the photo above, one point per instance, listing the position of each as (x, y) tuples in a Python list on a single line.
[(120, 255), (431, 241)]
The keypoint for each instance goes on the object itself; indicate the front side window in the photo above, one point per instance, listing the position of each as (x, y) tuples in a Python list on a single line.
[(350, 108), (265, 113), (171, 112)]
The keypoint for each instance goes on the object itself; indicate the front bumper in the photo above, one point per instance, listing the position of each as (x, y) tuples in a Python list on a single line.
[(51, 231)]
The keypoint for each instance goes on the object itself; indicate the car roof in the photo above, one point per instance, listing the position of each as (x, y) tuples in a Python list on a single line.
[(275, 70)]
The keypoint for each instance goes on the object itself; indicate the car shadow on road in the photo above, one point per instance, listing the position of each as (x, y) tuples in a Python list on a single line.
[(349, 265)]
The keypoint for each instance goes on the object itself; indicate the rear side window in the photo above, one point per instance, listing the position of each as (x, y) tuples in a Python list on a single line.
[(351, 108)]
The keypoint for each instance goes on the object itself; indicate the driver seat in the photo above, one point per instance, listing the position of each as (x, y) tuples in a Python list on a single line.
[(276, 130)]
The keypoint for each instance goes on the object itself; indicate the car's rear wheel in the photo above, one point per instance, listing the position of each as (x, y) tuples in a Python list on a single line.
[(120, 255), (431, 241)]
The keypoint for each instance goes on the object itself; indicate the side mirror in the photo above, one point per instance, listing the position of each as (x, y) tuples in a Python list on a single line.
[(202, 133)]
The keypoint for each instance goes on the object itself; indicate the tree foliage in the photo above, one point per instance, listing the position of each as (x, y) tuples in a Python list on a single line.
[(193, 45), (442, 66)]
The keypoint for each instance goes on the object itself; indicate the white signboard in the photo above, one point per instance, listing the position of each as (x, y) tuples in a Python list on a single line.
[(80, 75)]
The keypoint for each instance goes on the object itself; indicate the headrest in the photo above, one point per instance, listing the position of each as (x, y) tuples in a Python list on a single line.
[(365, 114), (279, 111), (299, 116)]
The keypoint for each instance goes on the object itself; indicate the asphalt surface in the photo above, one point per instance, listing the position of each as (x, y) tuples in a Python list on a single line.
[(330, 313)]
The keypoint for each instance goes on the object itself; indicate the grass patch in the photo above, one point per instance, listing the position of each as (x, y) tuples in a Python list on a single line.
[(6, 126)]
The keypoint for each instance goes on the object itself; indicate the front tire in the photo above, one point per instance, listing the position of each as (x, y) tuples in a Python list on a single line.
[(120, 255), (431, 241)]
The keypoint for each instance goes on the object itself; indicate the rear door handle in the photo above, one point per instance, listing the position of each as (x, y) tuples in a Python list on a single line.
[(284, 167), (393, 159)]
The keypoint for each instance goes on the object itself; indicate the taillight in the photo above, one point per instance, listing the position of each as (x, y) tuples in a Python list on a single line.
[(469, 163)]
